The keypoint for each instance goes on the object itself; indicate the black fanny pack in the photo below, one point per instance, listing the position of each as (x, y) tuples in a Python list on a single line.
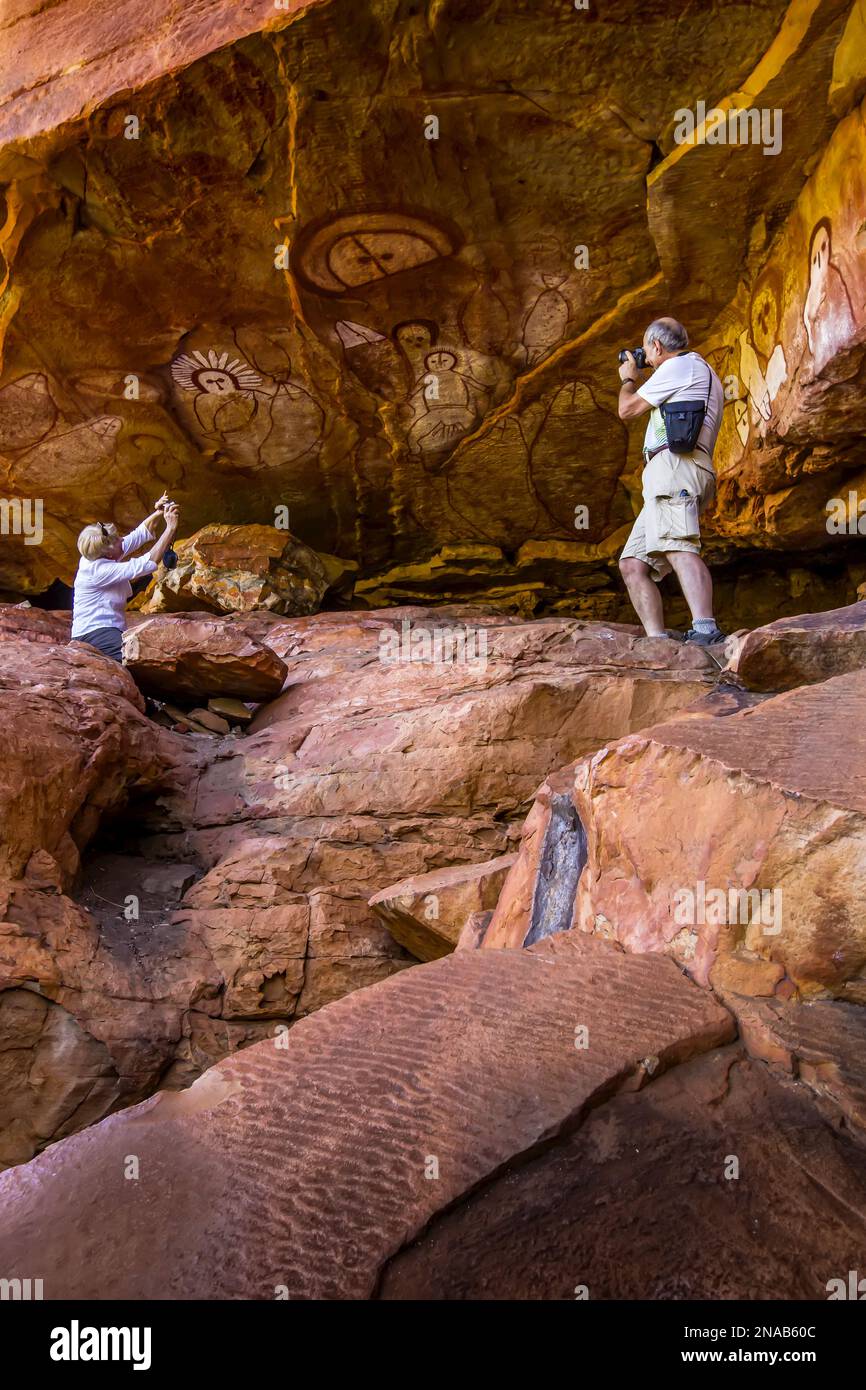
[(684, 420)]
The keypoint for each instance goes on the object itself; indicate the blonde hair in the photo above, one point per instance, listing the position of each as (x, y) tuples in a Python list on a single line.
[(95, 541)]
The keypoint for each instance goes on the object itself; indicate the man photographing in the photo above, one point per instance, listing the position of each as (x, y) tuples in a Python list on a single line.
[(686, 399)]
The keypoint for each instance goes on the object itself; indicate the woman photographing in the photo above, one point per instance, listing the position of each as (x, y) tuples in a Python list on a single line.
[(102, 582)]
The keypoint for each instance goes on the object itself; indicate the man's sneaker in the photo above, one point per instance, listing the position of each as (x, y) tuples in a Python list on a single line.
[(705, 639)]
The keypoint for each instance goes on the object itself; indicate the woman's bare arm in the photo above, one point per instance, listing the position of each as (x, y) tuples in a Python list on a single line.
[(171, 515)]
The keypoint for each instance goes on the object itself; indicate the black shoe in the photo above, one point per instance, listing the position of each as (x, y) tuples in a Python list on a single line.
[(705, 639)]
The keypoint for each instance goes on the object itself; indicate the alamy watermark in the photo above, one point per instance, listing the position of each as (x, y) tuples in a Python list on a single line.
[(846, 517), (22, 516), (852, 1288), (716, 907), (20, 1290), (437, 646), (77, 1343), (750, 126)]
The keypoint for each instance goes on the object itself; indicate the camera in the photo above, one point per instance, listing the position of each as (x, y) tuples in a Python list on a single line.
[(637, 353)]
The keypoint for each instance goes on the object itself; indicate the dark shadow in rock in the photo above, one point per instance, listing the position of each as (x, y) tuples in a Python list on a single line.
[(562, 859)]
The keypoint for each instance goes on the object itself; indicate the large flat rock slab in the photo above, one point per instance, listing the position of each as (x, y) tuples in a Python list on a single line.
[(719, 1181), (302, 1168)]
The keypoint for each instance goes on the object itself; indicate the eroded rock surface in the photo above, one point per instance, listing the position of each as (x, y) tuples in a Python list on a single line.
[(427, 913), (76, 745), (305, 1168), (822, 1044), (229, 898), (801, 650), (199, 657), (643, 1202)]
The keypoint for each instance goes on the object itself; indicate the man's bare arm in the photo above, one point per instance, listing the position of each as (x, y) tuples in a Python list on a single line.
[(630, 403)]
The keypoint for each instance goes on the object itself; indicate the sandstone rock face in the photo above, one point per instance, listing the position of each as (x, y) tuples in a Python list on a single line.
[(230, 898), (76, 745), (232, 1202), (639, 1203), (200, 657), (238, 569), (729, 835), (431, 399), (797, 651), (34, 624), (427, 913), (822, 1044)]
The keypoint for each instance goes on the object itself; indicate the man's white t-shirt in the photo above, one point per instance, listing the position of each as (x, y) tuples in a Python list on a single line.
[(683, 378), (102, 588)]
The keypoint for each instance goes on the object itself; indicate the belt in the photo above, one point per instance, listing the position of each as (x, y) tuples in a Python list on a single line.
[(698, 449)]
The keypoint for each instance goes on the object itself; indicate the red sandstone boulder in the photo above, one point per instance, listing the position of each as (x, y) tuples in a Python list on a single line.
[(76, 745), (741, 836), (823, 1044), (76, 741), (239, 569), (423, 1086), (427, 912), (801, 650), (196, 657)]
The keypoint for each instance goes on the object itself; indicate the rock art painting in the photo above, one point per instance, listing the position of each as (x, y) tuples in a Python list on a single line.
[(356, 249), (829, 312), (260, 419), (442, 390)]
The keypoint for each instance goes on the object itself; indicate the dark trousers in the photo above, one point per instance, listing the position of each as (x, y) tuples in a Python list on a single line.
[(108, 640)]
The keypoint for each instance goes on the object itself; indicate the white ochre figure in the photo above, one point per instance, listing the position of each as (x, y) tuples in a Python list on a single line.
[(828, 314)]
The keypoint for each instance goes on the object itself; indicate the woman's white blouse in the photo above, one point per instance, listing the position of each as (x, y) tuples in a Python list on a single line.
[(102, 588)]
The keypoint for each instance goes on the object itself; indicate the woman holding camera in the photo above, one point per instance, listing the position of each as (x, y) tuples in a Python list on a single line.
[(102, 582)]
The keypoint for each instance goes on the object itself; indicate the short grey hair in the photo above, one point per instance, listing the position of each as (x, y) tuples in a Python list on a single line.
[(671, 334)]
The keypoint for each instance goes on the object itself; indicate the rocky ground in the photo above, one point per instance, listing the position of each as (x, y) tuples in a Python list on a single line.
[(251, 909), (170, 896)]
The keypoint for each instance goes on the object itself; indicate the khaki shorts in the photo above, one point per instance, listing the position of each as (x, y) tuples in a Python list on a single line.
[(676, 489)]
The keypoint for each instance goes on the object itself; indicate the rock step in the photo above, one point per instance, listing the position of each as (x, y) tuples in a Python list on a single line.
[(426, 913), (198, 656), (803, 649), (307, 1166)]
